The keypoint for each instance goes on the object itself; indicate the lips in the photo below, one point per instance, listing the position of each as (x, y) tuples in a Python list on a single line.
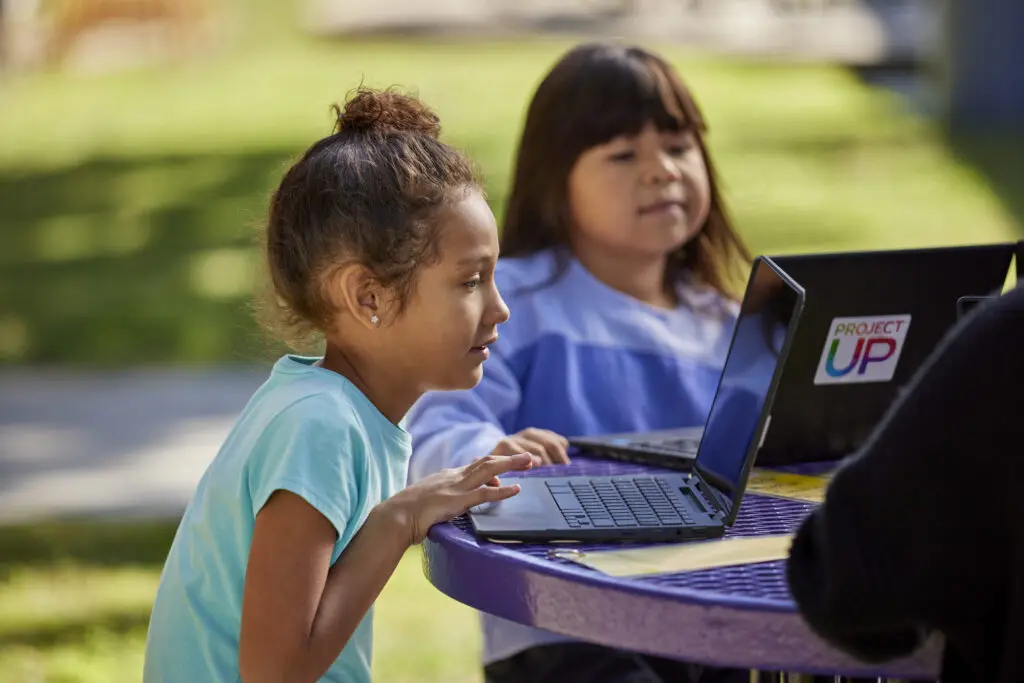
[(488, 342), (662, 205)]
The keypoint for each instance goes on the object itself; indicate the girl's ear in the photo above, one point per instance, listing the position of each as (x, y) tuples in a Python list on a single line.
[(355, 288)]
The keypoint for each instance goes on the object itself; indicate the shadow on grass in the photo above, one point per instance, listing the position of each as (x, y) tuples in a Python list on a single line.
[(85, 543), (70, 545), (134, 259), (67, 632), (1000, 160), (153, 258)]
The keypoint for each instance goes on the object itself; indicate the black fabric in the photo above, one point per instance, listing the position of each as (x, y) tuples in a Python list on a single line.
[(923, 529), (587, 663)]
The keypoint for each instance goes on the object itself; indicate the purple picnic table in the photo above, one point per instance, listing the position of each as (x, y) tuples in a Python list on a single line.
[(740, 616)]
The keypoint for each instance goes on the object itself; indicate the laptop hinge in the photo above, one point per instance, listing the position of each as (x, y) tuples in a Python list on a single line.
[(708, 497)]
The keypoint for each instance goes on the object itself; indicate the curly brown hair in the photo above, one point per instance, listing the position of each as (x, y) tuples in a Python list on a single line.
[(368, 193)]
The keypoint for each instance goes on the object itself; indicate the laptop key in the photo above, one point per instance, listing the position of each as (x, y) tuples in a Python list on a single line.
[(566, 501)]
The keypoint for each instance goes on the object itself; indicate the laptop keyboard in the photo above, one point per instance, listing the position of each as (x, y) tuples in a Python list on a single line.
[(619, 502)]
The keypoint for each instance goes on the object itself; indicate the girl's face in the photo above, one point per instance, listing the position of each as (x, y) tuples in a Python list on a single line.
[(454, 310), (642, 196)]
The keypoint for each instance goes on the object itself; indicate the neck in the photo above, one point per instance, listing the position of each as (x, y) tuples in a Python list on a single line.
[(386, 391), (642, 278)]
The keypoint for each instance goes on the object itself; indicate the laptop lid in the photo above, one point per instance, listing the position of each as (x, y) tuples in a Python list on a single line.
[(871, 319), (739, 413)]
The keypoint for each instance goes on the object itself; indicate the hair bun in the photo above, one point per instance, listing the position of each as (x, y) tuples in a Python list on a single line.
[(386, 112)]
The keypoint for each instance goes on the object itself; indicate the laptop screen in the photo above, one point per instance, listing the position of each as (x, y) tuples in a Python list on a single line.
[(734, 425)]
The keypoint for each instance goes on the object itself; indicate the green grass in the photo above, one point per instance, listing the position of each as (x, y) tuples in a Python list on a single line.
[(75, 601), (130, 200)]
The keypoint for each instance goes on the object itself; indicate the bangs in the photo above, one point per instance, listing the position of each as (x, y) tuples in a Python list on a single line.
[(623, 92)]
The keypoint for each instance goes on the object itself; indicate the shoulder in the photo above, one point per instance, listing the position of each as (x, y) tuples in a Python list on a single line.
[(988, 340), (330, 414), (1001, 318), (316, 437), (312, 444), (307, 398), (306, 413)]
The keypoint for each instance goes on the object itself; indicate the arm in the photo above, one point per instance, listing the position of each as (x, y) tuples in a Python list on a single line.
[(838, 576), (298, 613), (883, 547)]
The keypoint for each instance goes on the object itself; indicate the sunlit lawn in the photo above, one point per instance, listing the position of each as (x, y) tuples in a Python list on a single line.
[(129, 200), (74, 605)]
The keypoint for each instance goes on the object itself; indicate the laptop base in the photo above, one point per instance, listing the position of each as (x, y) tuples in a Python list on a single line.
[(674, 449), (599, 509)]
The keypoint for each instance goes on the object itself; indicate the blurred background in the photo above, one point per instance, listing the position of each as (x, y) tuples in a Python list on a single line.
[(139, 141)]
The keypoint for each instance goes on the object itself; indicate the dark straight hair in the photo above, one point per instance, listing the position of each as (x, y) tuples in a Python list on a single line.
[(595, 93)]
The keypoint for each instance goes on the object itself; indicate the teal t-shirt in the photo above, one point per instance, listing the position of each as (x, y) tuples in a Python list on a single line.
[(306, 430)]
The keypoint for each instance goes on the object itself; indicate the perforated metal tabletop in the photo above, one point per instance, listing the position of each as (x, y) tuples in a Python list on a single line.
[(741, 616)]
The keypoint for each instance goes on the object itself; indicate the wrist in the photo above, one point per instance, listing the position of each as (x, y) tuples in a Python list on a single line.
[(391, 518)]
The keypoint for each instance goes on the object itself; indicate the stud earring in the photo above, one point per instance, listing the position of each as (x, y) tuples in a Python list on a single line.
[(374, 320)]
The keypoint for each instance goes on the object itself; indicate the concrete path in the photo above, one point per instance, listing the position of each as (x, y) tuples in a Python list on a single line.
[(125, 443)]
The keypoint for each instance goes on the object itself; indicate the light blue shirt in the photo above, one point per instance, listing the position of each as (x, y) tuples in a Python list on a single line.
[(579, 358), (306, 430)]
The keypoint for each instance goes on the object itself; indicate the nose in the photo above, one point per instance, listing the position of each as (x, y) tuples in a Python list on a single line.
[(498, 311), (661, 168)]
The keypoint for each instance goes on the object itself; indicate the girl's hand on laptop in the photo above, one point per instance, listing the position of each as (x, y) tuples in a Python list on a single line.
[(546, 447), (451, 492)]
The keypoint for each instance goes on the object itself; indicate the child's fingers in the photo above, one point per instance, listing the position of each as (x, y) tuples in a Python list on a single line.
[(475, 466), (557, 447), (554, 446), (491, 466), (523, 461), (480, 463), (490, 494), (535, 448), (546, 445)]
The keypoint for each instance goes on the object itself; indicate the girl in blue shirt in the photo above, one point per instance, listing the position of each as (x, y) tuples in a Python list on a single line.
[(620, 266), (380, 240)]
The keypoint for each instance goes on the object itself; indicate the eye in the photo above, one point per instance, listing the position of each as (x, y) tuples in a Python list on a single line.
[(678, 148), (627, 155), (679, 145), (472, 284)]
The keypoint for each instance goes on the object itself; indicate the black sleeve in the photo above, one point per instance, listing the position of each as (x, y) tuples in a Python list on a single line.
[(897, 537)]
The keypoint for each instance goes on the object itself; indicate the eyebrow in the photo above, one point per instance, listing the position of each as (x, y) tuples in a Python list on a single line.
[(475, 260)]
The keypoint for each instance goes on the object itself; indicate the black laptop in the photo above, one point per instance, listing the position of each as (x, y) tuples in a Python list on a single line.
[(818, 416), (698, 504), (870, 321)]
